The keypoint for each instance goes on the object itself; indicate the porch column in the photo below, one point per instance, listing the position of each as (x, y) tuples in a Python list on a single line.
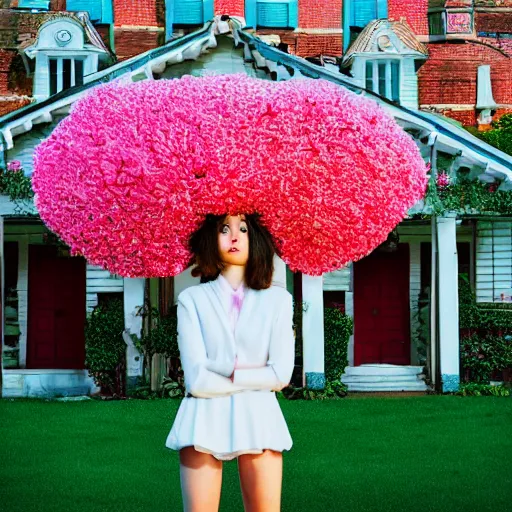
[(313, 331), (448, 303), (133, 298)]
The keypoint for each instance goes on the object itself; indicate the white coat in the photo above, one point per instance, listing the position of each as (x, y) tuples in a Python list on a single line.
[(227, 418)]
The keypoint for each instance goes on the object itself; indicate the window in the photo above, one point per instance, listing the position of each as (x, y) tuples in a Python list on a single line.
[(437, 23), (65, 73), (494, 261), (192, 12), (100, 11), (383, 77), (271, 13), (357, 14), (364, 11)]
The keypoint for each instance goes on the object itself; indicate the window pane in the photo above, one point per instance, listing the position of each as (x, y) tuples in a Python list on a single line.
[(66, 73), (79, 72), (53, 76), (382, 78), (436, 24), (369, 75), (395, 80)]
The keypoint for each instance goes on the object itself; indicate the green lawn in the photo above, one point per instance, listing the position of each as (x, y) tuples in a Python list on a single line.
[(426, 453)]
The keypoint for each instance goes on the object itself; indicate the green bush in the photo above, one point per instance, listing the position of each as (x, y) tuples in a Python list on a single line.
[(476, 389), (338, 328), (105, 349), (485, 336)]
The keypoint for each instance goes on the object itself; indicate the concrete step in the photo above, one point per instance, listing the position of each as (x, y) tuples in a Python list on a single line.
[(381, 378), (383, 369), (388, 386)]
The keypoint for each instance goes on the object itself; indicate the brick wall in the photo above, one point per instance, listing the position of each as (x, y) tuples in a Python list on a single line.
[(414, 11), (466, 117), (132, 42), (8, 105), (450, 74), (140, 13), (320, 14), (231, 7), (6, 58), (311, 45), (505, 45)]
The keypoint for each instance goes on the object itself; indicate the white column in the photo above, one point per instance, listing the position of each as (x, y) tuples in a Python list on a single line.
[(448, 298), (313, 331), (133, 298)]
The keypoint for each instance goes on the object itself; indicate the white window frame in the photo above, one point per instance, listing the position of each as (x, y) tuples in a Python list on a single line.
[(375, 76), (60, 64)]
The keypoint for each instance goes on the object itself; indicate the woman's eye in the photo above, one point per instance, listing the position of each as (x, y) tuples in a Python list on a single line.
[(243, 229), (224, 231)]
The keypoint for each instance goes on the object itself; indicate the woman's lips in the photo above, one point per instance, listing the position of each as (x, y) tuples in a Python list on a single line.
[(233, 250)]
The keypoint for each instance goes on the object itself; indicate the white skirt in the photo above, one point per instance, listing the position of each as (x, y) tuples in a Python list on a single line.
[(229, 426)]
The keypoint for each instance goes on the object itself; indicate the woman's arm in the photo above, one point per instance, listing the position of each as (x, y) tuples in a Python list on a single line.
[(199, 380), (278, 372)]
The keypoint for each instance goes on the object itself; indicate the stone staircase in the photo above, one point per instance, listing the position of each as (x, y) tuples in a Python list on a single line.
[(384, 377)]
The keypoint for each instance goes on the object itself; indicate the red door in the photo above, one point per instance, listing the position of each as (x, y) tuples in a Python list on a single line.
[(56, 310), (381, 308)]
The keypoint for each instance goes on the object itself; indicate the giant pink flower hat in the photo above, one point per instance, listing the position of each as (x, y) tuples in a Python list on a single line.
[(131, 173)]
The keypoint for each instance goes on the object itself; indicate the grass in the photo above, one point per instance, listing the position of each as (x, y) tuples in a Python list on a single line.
[(428, 453)]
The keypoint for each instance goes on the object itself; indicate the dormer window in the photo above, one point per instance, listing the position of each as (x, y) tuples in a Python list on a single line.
[(65, 73), (63, 56), (383, 77)]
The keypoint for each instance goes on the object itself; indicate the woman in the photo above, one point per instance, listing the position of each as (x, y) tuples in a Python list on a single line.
[(237, 349)]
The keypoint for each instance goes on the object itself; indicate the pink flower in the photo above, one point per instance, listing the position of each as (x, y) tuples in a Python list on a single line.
[(14, 165), (443, 180), (141, 164)]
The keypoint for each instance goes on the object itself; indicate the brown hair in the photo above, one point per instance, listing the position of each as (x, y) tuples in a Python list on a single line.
[(204, 245)]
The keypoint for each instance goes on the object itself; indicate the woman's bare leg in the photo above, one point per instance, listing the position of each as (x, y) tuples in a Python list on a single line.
[(201, 480), (261, 479)]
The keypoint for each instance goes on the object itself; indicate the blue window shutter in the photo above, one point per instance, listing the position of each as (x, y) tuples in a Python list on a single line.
[(363, 11), (382, 8), (276, 13), (250, 13), (169, 19), (34, 4), (293, 14), (93, 7), (107, 11), (207, 10), (188, 12)]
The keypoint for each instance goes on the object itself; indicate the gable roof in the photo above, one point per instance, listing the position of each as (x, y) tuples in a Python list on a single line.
[(364, 41), (19, 29)]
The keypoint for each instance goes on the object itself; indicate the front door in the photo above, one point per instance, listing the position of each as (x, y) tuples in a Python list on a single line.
[(56, 309), (381, 308)]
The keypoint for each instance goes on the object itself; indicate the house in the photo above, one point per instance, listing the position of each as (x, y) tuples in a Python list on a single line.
[(43, 349)]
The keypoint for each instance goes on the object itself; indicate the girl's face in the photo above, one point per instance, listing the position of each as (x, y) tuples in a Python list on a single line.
[(233, 240)]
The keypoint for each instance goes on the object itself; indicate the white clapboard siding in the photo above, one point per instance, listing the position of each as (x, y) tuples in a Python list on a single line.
[(338, 280), (494, 261), (99, 280)]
